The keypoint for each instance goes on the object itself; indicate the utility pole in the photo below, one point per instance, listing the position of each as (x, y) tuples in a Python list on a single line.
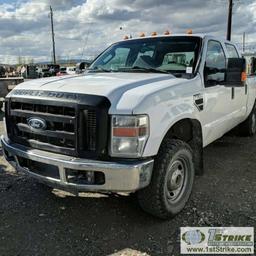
[(53, 41), (243, 42), (229, 27)]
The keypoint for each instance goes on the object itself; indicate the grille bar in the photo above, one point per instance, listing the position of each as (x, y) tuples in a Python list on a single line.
[(50, 147), (49, 108), (55, 134), (50, 117)]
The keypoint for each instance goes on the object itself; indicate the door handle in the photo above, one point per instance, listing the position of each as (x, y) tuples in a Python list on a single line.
[(232, 93)]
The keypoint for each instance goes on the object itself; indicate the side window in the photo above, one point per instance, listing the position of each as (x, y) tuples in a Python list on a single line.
[(232, 52), (215, 64)]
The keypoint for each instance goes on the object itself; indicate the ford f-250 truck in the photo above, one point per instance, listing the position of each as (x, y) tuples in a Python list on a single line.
[(136, 121)]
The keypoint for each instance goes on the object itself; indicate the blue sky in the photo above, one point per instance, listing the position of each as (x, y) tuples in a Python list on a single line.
[(84, 28)]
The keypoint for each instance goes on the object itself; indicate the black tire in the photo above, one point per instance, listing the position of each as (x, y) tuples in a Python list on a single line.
[(248, 127), (158, 198)]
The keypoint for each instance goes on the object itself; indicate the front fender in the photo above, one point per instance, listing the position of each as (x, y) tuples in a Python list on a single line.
[(166, 107), (159, 128)]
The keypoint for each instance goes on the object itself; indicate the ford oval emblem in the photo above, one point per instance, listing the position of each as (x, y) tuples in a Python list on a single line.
[(36, 123)]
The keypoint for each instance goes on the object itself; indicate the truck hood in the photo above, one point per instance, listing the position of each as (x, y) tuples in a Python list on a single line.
[(114, 86)]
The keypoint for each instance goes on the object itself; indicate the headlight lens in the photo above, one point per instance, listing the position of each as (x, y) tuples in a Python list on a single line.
[(129, 135)]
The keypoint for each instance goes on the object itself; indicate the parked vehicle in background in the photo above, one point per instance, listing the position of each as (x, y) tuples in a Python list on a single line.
[(29, 71), (2, 71), (53, 69), (43, 72), (71, 70), (6, 85), (48, 71), (62, 72), (251, 63), (136, 122)]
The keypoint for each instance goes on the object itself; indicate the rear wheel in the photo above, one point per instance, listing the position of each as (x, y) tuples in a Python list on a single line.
[(248, 127), (172, 180)]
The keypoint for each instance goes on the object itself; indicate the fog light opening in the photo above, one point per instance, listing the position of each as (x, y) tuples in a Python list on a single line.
[(85, 177), (8, 156)]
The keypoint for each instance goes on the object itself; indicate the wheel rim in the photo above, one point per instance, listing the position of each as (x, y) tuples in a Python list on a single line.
[(176, 179), (253, 123)]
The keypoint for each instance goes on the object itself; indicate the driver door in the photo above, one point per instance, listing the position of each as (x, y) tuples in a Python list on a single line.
[(218, 109)]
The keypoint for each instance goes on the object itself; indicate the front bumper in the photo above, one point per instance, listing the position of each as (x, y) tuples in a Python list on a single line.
[(119, 176)]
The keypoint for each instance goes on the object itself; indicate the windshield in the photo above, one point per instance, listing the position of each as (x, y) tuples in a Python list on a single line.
[(176, 55)]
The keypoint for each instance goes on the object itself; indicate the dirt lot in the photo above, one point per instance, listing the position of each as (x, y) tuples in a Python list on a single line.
[(35, 220)]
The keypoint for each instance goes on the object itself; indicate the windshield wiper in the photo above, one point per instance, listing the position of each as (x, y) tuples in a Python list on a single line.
[(148, 70), (135, 68), (99, 70)]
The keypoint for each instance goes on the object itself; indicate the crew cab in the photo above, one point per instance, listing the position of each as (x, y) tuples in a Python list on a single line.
[(136, 121)]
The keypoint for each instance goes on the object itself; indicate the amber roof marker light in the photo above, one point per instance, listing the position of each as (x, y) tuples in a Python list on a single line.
[(167, 32), (154, 34), (142, 34), (189, 31)]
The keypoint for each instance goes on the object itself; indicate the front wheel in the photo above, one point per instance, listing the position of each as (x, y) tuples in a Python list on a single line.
[(172, 180)]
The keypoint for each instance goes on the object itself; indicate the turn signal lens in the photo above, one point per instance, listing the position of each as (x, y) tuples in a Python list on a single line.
[(129, 132), (243, 76)]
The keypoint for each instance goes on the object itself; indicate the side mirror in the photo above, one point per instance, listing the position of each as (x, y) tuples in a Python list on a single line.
[(213, 76), (236, 72)]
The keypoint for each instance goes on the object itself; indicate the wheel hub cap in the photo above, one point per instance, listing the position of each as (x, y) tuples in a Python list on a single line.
[(175, 179)]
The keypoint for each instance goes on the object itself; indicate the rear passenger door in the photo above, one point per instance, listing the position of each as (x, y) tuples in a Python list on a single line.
[(239, 94)]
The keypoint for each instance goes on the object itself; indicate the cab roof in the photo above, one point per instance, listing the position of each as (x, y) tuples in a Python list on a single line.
[(203, 36)]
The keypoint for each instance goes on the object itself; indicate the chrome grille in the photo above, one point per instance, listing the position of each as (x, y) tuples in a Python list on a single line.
[(62, 129)]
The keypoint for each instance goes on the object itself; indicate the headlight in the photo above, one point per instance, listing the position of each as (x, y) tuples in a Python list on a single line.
[(129, 135)]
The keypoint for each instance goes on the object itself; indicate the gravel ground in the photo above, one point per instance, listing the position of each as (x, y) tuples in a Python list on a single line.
[(35, 220)]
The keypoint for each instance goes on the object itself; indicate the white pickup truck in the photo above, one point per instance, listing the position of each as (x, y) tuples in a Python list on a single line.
[(136, 121)]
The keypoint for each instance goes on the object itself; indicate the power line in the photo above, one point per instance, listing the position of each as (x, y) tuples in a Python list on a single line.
[(243, 41), (86, 40)]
